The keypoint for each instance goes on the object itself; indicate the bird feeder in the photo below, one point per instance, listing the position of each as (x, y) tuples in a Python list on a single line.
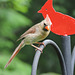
[(63, 25)]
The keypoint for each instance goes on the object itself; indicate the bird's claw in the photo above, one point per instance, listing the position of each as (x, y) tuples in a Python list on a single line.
[(40, 49), (41, 44)]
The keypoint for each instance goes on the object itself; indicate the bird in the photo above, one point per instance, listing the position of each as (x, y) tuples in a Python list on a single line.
[(62, 24), (32, 36)]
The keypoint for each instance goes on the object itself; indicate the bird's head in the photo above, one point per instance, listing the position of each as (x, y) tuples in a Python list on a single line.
[(46, 23)]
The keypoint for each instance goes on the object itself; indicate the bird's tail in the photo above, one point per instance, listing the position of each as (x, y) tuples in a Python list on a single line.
[(15, 53)]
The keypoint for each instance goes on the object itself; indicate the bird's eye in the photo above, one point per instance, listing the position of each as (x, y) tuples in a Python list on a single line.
[(45, 24)]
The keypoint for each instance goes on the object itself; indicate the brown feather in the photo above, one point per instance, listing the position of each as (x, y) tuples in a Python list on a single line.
[(29, 31), (15, 53)]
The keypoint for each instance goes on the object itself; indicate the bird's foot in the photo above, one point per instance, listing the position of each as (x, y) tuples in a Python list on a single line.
[(40, 43), (37, 48), (40, 49)]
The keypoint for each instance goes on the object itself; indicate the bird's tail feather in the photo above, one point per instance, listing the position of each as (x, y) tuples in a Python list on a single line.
[(15, 53)]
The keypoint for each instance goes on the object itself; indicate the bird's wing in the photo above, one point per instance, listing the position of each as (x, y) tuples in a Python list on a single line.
[(29, 31)]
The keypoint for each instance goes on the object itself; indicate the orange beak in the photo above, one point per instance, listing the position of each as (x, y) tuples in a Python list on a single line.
[(47, 27)]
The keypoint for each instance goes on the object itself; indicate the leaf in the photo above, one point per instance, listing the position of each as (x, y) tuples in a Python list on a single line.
[(21, 5)]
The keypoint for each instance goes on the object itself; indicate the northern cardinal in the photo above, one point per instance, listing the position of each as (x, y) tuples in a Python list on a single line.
[(36, 33)]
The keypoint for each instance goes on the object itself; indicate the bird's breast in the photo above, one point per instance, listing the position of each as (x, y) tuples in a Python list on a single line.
[(38, 36)]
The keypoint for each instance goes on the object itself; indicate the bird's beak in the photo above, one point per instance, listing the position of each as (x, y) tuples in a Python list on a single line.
[(47, 27)]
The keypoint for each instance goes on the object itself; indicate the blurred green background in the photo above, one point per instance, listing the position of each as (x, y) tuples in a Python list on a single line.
[(16, 16)]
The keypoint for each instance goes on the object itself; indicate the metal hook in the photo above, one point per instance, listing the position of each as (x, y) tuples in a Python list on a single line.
[(38, 53)]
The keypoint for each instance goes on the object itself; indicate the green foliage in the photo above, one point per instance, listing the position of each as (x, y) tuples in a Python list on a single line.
[(50, 74), (74, 12), (60, 9), (5, 43), (21, 5), (17, 67), (11, 20)]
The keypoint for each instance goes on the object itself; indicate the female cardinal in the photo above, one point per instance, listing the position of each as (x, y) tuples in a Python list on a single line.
[(36, 33)]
